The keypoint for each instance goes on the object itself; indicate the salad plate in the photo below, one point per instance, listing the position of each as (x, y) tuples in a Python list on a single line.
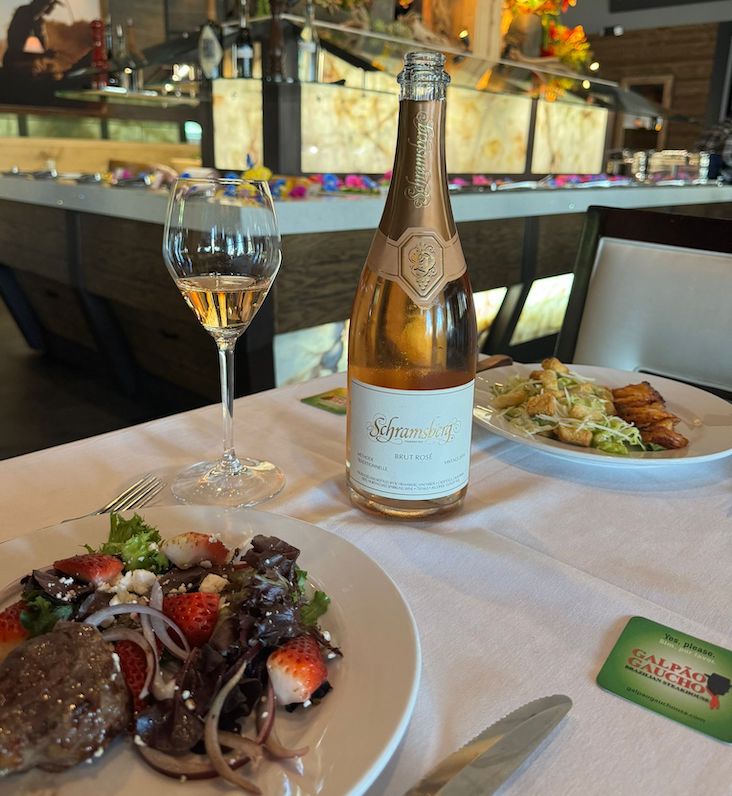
[(706, 420), (351, 733)]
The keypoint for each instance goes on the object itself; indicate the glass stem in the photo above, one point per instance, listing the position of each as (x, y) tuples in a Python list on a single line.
[(226, 370)]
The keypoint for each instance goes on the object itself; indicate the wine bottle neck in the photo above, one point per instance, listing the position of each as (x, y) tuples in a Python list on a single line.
[(418, 194)]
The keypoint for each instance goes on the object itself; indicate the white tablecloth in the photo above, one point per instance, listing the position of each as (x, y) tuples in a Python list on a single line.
[(521, 594)]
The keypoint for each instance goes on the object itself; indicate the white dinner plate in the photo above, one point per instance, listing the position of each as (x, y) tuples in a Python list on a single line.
[(706, 420), (352, 733)]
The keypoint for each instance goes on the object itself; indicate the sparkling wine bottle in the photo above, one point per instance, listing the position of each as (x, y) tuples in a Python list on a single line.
[(413, 339)]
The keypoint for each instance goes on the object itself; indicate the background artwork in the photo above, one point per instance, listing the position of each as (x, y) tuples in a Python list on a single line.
[(44, 38)]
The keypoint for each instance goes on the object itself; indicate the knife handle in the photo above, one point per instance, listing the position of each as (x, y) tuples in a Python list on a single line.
[(493, 361)]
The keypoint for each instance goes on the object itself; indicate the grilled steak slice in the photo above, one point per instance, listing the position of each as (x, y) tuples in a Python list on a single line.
[(62, 700)]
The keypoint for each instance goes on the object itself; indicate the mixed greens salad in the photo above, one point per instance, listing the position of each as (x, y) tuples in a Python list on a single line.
[(559, 403), (209, 640)]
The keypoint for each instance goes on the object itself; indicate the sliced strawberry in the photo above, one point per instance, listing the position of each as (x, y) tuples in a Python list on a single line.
[(133, 663), (12, 631), (191, 548), (296, 670), (95, 568), (195, 614)]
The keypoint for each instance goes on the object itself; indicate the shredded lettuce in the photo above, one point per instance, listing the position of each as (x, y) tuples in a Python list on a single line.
[(577, 395)]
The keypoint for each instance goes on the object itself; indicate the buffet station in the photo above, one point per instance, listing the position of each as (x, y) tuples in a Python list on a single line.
[(308, 102)]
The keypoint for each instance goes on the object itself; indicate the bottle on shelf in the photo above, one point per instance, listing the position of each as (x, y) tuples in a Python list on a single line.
[(309, 54), (210, 44), (413, 339), (122, 58), (242, 50), (99, 54), (137, 60)]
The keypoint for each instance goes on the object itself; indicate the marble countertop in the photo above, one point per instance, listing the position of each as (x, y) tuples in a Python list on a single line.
[(337, 213)]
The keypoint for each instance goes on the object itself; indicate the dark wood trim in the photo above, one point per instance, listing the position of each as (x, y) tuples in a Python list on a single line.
[(720, 85), (281, 127)]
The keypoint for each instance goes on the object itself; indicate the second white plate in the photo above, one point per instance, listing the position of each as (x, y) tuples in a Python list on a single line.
[(706, 420)]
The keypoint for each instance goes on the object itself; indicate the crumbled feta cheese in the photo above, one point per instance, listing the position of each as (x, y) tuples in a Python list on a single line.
[(326, 635), (213, 584), (123, 597), (66, 581), (115, 659), (99, 752), (138, 741), (206, 564), (307, 703), (185, 695), (190, 704), (141, 581), (330, 656)]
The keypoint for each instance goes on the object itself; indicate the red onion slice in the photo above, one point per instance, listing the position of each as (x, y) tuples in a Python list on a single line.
[(211, 736), (156, 601), (190, 765), (158, 616), (127, 634), (265, 718), (160, 687), (265, 731)]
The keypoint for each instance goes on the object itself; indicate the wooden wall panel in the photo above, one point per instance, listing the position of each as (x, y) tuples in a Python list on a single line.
[(57, 308), (685, 51), (557, 244)]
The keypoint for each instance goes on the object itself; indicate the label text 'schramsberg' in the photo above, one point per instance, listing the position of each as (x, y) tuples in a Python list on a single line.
[(418, 189), (383, 429)]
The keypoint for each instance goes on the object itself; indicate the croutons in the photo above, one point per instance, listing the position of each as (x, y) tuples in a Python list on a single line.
[(552, 363), (574, 436), (513, 398), (581, 411), (548, 379), (543, 404)]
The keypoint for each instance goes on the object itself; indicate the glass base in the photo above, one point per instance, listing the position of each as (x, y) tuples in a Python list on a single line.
[(247, 483)]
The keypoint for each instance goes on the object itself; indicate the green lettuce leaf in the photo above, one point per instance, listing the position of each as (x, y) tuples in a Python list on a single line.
[(312, 611), (135, 542), (40, 615)]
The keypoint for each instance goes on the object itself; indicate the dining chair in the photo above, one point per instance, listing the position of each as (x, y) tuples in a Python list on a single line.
[(652, 292)]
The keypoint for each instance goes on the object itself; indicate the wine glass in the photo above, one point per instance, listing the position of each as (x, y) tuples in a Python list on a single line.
[(222, 248)]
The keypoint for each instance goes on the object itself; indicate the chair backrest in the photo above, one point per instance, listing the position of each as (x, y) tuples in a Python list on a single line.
[(652, 292)]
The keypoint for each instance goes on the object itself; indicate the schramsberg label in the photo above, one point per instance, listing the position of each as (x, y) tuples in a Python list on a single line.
[(418, 189), (383, 429), (410, 444)]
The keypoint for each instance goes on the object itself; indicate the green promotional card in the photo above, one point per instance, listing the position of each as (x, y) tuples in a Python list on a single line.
[(332, 401), (671, 673)]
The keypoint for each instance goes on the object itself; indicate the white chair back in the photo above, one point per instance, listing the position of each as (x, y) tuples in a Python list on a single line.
[(662, 309)]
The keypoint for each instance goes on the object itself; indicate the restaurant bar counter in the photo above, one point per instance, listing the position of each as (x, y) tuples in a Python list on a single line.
[(81, 271)]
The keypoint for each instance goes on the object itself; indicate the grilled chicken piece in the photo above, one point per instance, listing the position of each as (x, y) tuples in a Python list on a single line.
[(664, 436), (62, 700), (646, 415), (636, 395), (644, 407)]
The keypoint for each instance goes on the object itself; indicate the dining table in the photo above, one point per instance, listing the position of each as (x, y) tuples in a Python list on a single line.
[(519, 594)]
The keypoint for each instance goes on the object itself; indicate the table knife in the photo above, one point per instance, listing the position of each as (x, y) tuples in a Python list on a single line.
[(486, 762)]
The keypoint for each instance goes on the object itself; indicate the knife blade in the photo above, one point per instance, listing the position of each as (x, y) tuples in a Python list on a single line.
[(486, 762)]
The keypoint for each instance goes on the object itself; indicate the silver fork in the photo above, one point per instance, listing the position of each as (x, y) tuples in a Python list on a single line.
[(136, 495)]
